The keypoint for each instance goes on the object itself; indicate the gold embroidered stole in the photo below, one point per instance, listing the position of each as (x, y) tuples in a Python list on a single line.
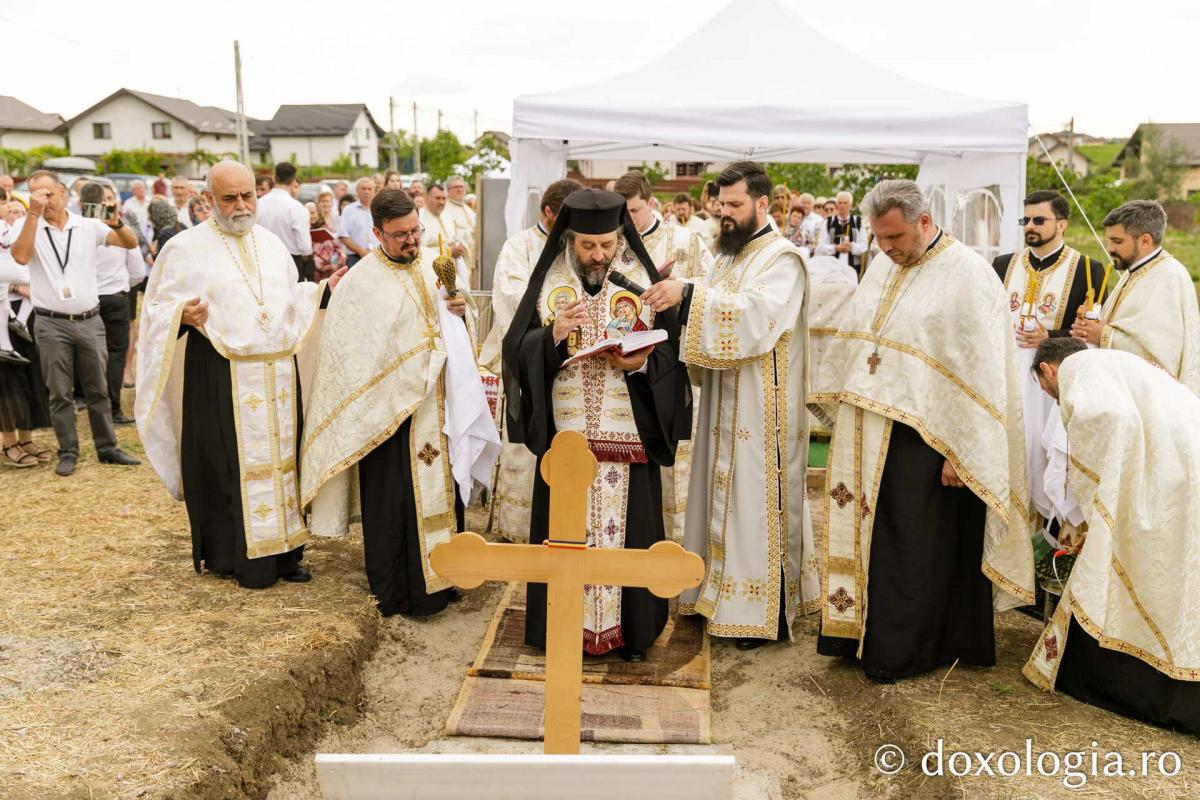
[(1053, 286), (593, 398)]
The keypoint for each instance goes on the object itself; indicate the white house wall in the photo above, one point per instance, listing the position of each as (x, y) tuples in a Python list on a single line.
[(27, 140), (130, 120), (305, 151)]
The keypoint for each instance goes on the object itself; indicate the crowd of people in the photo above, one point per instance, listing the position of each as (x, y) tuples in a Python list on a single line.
[(958, 397)]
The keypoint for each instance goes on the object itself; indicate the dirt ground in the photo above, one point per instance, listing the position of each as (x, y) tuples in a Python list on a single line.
[(123, 674)]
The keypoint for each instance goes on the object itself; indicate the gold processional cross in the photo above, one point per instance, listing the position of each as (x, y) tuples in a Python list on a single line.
[(565, 563)]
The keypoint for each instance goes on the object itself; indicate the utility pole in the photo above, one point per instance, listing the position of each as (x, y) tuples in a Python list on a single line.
[(476, 119), (439, 127), (416, 143), (242, 136), (392, 132), (1071, 144)]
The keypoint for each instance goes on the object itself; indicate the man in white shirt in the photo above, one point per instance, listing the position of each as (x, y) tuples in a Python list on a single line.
[(138, 207), (61, 250), (117, 270), (844, 235), (356, 225), (283, 215), (181, 192)]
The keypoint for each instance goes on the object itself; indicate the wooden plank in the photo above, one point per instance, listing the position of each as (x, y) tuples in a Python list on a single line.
[(524, 777)]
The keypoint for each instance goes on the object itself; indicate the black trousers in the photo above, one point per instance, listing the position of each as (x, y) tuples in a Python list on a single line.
[(114, 310), (305, 267)]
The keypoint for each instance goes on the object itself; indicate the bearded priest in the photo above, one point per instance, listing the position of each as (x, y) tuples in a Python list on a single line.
[(1152, 311), (926, 496), (400, 432), (747, 342), (514, 265), (633, 409), (218, 393)]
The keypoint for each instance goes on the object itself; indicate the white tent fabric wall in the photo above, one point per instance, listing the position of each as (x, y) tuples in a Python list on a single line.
[(962, 143)]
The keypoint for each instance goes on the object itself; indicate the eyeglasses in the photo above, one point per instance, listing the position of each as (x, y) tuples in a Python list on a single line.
[(1039, 221), (414, 235)]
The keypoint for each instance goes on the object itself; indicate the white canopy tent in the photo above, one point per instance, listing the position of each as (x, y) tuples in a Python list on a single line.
[(971, 151)]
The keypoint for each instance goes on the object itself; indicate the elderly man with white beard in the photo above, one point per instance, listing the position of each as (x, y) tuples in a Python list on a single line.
[(218, 393)]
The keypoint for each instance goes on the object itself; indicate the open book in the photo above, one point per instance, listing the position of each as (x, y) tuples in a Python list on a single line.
[(629, 343)]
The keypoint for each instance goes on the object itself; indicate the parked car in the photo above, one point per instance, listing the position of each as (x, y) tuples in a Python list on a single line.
[(309, 192), (124, 183)]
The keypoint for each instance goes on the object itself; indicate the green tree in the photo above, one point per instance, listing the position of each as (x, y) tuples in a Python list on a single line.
[(441, 154), (655, 174), (138, 161)]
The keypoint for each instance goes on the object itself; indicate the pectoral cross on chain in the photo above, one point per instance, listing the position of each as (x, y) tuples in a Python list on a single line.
[(566, 564), (873, 361)]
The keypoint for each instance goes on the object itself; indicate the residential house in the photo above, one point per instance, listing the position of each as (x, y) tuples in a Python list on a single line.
[(23, 127), (131, 120), (1064, 150), (318, 135), (1187, 134)]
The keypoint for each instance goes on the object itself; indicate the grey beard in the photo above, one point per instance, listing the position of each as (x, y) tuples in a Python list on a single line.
[(593, 279), (237, 228)]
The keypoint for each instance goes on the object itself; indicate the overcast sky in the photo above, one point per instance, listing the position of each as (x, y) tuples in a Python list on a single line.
[(1110, 64)]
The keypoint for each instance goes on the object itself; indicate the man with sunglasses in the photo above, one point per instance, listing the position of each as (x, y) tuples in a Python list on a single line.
[(1046, 283), (399, 428)]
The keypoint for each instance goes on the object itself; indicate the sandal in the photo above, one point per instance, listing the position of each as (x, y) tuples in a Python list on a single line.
[(40, 453), (23, 461)]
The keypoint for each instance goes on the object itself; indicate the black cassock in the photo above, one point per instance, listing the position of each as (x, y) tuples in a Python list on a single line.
[(1125, 684), (928, 601), (661, 400), (212, 475), (391, 545)]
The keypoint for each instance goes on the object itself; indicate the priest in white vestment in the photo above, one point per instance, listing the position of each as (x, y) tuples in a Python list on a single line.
[(447, 228), (1124, 634), (399, 433), (633, 408), (681, 253), (513, 492), (1048, 284), (747, 339), (1152, 311), (926, 493), (218, 392)]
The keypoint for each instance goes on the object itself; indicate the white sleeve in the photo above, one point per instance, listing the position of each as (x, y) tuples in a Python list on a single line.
[(825, 246), (100, 230), (303, 232), (135, 265), (859, 245)]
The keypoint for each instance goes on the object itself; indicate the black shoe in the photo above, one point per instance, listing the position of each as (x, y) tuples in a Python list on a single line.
[(18, 327), (631, 655), (14, 358), (298, 575), (880, 679), (751, 644), (120, 419), (453, 595), (66, 466), (118, 456), (221, 574)]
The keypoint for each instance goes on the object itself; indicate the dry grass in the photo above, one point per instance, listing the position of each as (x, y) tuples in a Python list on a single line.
[(119, 666)]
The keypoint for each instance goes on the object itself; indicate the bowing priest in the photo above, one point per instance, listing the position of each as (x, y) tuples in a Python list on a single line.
[(927, 497), (1124, 636), (514, 265), (1152, 310), (633, 409), (1048, 284), (747, 338), (680, 252), (400, 432), (218, 394)]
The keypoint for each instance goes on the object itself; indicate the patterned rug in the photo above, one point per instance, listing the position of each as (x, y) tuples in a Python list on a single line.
[(664, 699)]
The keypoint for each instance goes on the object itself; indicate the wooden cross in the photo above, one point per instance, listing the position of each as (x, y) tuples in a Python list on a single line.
[(873, 361), (565, 563)]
